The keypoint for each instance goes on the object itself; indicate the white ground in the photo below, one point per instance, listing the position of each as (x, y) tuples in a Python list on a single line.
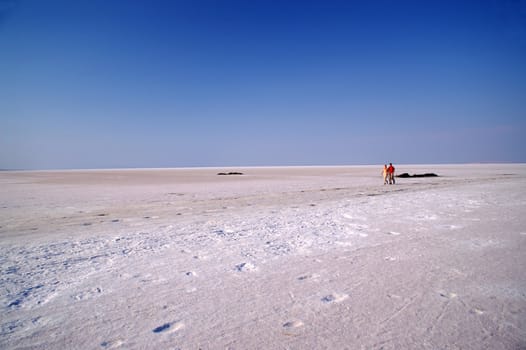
[(279, 258)]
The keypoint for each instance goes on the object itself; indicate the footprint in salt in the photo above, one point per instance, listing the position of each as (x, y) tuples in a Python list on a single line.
[(451, 227), (88, 294), (447, 295), (246, 267), (477, 311), (393, 233), (169, 327), (309, 276), (293, 324), (112, 344), (334, 298)]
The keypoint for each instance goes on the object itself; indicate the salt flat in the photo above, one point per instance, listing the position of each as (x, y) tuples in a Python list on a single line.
[(277, 258)]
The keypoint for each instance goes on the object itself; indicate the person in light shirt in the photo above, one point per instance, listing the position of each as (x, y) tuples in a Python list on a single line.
[(385, 174)]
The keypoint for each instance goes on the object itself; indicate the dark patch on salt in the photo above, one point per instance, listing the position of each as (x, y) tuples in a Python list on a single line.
[(406, 175)]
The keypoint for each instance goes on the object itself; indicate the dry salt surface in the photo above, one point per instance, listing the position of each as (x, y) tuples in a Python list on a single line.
[(277, 258)]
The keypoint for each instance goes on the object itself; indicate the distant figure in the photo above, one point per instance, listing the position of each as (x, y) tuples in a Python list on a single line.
[(385, 173), (390, 172)]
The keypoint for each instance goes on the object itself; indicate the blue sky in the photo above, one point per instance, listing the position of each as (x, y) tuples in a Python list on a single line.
[(107, 84)]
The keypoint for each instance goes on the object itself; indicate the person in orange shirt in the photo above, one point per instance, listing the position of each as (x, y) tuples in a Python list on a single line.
[(390, 172)]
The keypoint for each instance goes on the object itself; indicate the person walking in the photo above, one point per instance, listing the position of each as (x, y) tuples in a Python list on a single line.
[(390, 172), (385, 174)]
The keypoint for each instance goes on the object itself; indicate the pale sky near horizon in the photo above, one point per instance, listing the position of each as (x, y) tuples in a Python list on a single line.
[(109, 84)]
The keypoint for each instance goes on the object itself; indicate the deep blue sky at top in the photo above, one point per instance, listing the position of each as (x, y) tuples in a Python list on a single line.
[(106, 83)]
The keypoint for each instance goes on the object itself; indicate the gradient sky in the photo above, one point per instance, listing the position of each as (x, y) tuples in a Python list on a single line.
[(108, 84)]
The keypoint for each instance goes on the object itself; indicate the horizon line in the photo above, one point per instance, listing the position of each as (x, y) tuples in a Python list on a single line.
[(259, 166)]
